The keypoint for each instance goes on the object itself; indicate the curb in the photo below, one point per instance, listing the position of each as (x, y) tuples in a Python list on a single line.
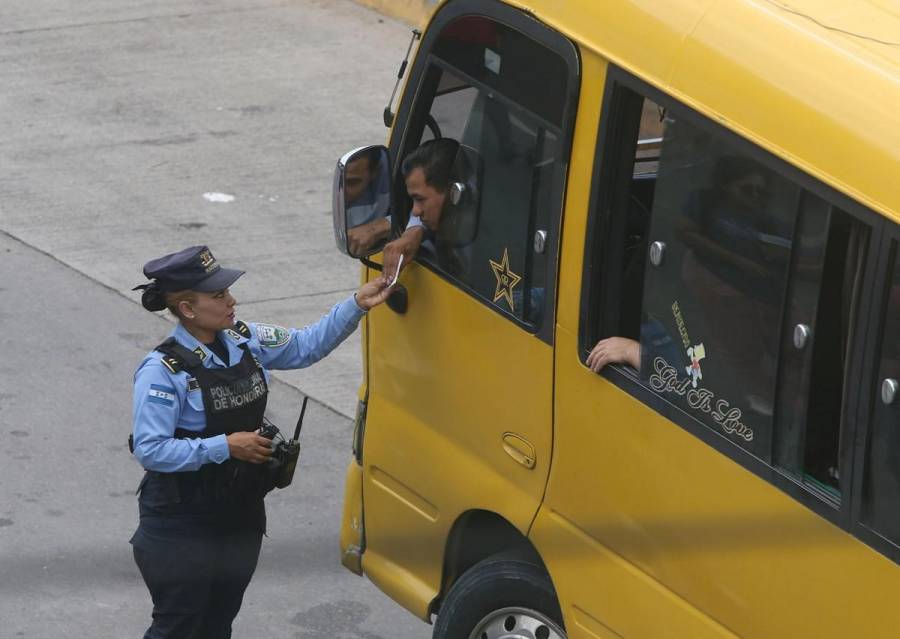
[(413, 12)]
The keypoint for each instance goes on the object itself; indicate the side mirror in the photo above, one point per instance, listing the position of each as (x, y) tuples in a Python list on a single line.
[(361, 201)]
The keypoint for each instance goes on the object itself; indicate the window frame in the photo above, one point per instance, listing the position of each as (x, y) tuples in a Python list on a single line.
[(409, 119), (599, 308)]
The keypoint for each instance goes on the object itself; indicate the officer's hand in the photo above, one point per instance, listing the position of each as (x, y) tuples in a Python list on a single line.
[(372, 294), (406, 245), (250, 447)]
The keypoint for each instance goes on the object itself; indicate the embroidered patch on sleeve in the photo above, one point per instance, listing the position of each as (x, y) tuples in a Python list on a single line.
[(272, 336), (164, 395)]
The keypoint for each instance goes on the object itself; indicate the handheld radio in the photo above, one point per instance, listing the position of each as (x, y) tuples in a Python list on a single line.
[(285, 454)]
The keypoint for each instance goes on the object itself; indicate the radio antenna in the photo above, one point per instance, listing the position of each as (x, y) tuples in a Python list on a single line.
[(300, 421)]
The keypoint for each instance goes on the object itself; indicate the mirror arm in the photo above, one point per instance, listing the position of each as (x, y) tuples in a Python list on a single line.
[(372, 265), (387, 115)]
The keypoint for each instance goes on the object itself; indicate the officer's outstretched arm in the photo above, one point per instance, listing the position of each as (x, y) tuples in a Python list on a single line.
[(284, 349)]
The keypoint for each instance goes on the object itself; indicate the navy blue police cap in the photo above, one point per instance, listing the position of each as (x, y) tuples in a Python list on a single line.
[(193, 268)]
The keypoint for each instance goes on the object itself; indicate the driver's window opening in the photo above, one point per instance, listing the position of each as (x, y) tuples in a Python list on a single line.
[(453, 101), (500, 96)]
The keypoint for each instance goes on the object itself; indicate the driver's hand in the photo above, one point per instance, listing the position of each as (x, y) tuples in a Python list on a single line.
[(406, 245)]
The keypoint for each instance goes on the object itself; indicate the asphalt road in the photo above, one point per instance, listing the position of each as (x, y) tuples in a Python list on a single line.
[(67, 504), (116, 117)]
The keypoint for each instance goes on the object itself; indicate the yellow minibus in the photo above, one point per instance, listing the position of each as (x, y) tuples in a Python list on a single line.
[(641, 378)]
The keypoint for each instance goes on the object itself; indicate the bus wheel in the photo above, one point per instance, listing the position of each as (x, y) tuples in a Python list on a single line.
[(501, 597)]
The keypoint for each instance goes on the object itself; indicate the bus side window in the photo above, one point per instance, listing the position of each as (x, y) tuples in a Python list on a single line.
[(881, 488), (713, 260), (640, 203), (825, 266), (720, 236)]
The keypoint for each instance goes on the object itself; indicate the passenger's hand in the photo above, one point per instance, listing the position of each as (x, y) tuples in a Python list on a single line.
[(249, 447), (373, 293), (615, 350), (406, 245), (363, 237)]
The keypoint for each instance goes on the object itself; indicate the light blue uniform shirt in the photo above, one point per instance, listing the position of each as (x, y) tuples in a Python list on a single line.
[(164, 401)]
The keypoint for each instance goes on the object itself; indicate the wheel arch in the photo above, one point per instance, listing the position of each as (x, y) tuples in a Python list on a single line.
[(477, 535)]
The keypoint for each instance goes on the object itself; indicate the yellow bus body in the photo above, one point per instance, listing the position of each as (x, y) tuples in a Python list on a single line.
[(644, 529)]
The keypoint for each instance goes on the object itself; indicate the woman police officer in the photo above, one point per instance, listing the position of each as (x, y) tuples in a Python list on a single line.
[(199, 399)]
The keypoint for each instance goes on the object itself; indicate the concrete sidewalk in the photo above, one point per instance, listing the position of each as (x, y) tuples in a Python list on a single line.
[(413, 12), (118, 116)]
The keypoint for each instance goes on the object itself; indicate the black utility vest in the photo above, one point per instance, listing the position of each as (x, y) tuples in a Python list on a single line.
[(234, 400)]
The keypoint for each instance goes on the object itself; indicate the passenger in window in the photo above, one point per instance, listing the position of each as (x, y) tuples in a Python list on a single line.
[(427, 172), (615, 350), (728, 229), (736, 269), (640, 355)]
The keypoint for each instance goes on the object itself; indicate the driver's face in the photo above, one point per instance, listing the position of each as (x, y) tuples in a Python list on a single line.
[(357, 177), (428, 202)]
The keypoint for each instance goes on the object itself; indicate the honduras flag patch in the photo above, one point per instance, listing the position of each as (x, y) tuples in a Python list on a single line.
[(164, 395)]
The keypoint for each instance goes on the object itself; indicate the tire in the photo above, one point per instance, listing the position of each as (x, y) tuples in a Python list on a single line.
[(501, 596)]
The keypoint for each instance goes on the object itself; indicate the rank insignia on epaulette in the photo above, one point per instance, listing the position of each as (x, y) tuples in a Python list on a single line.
[(242, 329), (171, 363)]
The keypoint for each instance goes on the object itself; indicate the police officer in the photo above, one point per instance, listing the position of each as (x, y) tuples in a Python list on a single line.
[(199, 399)]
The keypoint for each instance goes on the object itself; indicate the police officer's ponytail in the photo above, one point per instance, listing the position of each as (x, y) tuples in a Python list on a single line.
[(153, 298)]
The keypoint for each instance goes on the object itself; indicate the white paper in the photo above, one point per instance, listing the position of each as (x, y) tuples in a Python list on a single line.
[(397, 274)]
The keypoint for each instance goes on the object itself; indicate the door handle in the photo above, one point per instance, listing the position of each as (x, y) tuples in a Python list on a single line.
[(888, 391), (520, 449)]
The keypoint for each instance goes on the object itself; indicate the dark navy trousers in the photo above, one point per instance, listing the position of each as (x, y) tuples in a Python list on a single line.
[(196, 559)]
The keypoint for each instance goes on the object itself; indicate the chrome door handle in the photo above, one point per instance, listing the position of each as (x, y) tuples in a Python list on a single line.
[(889, 390), (520, 450), (801, 336)]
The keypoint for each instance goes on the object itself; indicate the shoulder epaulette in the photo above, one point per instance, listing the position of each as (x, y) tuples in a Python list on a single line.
[(176, 357), (171, 363), (242, 329)]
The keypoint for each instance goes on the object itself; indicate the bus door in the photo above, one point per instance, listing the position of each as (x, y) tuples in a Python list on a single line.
[(459, 414)]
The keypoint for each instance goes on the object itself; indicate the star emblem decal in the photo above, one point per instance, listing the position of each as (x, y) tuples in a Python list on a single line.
[(506, 280)]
